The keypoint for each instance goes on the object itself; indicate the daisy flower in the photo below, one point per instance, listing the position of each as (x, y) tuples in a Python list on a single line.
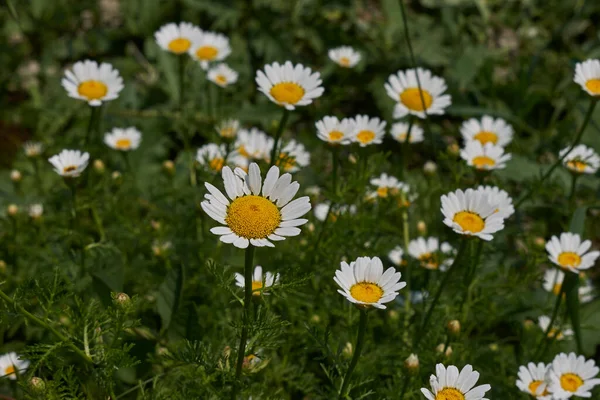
[(404, 89), (532, 380), (254, 144), (70, 163), (368, 130), (334, 131), (501, 198), (364, 282), (215, 157), (388, 185), (581, 159), (222, 75), (228, 128), (33, 149), (92, 82), (553, 279), (344, 56), (570, 253), (484, 157), (428, 252), (487, 130), (400, 131), (292, 157), (260, 212), (123, 139), (176, 38), (571, 375), (587, 75), (471, 213), (10, 363), (449, 384), (322, 209), (288, 85), (208, 47), (557, 334), (260, 282), (395, 255)]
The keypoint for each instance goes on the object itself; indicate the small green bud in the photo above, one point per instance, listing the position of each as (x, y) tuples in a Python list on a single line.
[(37, 385)]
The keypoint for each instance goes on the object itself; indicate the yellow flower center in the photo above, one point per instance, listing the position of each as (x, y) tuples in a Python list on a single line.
[(449, 394), (382, 191), (9, 370), (365, 136), (334, 136), (569, 259), (286, 162), (555, 333), (469, 221), (402, 137), (366, 292), (207, 53), (179, 45), (242, 150), (556, 289), (480, 162), (92, 90), (287, 92), (221, 79), (429, 261), (577, 165), (486, 137), (593, 85), (344, 61), (69, 168), (216, 164), (533, 387), (412, 99), (570, 382), (123, 144), (228, 133), (252, 217), (256, 286)]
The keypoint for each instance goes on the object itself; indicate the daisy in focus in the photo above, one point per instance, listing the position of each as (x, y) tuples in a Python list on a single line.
[(254, 144), (70, 163), (289, 86), (33, 149), (582, 159), (364, 282), (429, 252), (123, 139), (334, 131), (555, 333), (368, 130), (532, 380), (228, 128), (487, 130), (344, 56), (400, 132), (222, 75), (176, 38), (259, 211), (570, 253), (450, 384), (484, 157), (92, 82), (571, 375), (587, 75), (499, 197), (207, 47), (215, 157), (260, 282), (404, 89), (10, 364), (292, 157)]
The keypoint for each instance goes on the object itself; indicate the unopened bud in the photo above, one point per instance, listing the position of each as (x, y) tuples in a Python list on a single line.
[(121, 299), (169, 166), (422, 227), (453, 327), (116, 176), (394, 315), (12, 210), (37, 385), (528, 324), (315, 319), (453, 149), (156, 225), (443, 349), (15, 176), (494, 346), (99, 166), (412, 363), (539, 242), (2, 266), (347, 352), (352, 159), (162, 351), (430, 168)]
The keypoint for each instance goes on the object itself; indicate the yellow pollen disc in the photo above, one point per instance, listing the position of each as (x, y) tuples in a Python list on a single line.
[(486, 137), (533, 387), (569, 259), (449, 394), (577, 165), (593, 85), (228, 133), (365, 136), (92, 90), (570, 382), (69, 168), (252, 217), (402, 137), (556, 289), (123, 144), (429, 261), (334, 136), (412, 99), (216, 164), (9, 370), (256, 286), (382, 191), (221, 79), (287, 92), (207, 53), (344, 61), (481, 162), (179, 45), (555, 333), (469, 221), (242, 150), (366, 292), (286, 162)]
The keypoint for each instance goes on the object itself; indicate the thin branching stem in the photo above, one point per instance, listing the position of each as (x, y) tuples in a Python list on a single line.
[(360, 341), (280, 128)]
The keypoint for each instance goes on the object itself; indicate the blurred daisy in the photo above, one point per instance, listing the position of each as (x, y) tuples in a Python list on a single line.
[(587, 75), (364, 282), (557, 334), (292, 157), (570, 253), (334, 131), (368, 130), (222, 75), (209, 47), (123, 139), (228, 128), (484, 157), (404, 89), (253, 216), (400, 131), (344, 56), (429, 252), (449, 384), (581, 159), (471, 212), (487, 130), (70, 163), (500, 198), (395, 255), (288, 85), (586, 291), (260, 282), (215, 157), (416, 297), (36, 211), (254, 144), (176, 38), (532, 380), (553, 279), (33, 149), (388, 186), (92, 82), (10, 364), (322, 209), (572, 375)]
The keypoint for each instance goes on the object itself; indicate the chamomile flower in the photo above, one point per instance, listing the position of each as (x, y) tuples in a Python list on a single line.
[(471, 212), (450, 384), (322, 209), (587, 75), (260, 282), (429, 252), (388, 186), (501, 198), (36, 211), (212, 155), (176, 38), (259, 211), (334, 131), (228, 129), (487, 130), (484, 157), (582, 159), (572, 375), (222, 75), (400, 132), (553, 280), (254, 144), (364, 282), (92, 82), (570, 253), (555, 333), (33, 149), (70, 163), (10, 363), (209, 47), (289, 86), (368, 130), (396, 256), (404, 89), (123, 139), (344, 56), (532, 380), (292, 157)]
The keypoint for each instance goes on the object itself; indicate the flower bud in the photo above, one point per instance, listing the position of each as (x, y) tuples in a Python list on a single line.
[(539, 242), (12, 210), (347, 352), (422, 227), (412, 363), (15, 176), (528, 324), (2, 266), (453, 327), (37, 385), (494, 346), (169, 167), (116, 176), (453, 149), (443, 349), (315, 319), (121, 299), (36, 211), (394, 315), (99, 166), (352, 159), (430, 168)]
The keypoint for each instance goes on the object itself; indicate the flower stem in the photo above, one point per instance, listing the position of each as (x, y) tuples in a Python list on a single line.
[(94, 111), (405, 147), (360, 340), (282, 123), (559, 297), (334, 161), (574, 178), (182, 60), (406, 237)]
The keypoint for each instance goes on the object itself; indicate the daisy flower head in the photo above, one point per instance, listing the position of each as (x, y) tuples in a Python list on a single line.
[(228, 129), (260, 282), (487, 130), (428, 252), (92, 82), (209, 47), (581, 160), (10, 364), (70, 163), (570, 253), (400, 132), (123, 139), (403, 87), (222, 75), (532, 380), (334, 131), (450, 384), (484, 157), (322, 209), (388, 186), (587, 75), (212, 155), (176, 38), (259, 211), (254, 144), (364, 282), (33, 149), (553, 280), (572, 375), (395, 255), (368, 130), (289, 85), (555, 333), (501, 198), (471, 212), (344, 56), (292, 157)]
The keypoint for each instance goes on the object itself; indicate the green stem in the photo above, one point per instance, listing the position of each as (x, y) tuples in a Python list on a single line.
[(574, 178), (334, 160), (470, 275), (182, 60), (552, 320), (405, 147), (405, 384), (94, 111), (282, 123), (360, 341), (405, 235)]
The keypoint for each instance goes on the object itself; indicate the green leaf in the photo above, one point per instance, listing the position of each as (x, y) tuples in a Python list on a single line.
[(169, 295), (577, 224)]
